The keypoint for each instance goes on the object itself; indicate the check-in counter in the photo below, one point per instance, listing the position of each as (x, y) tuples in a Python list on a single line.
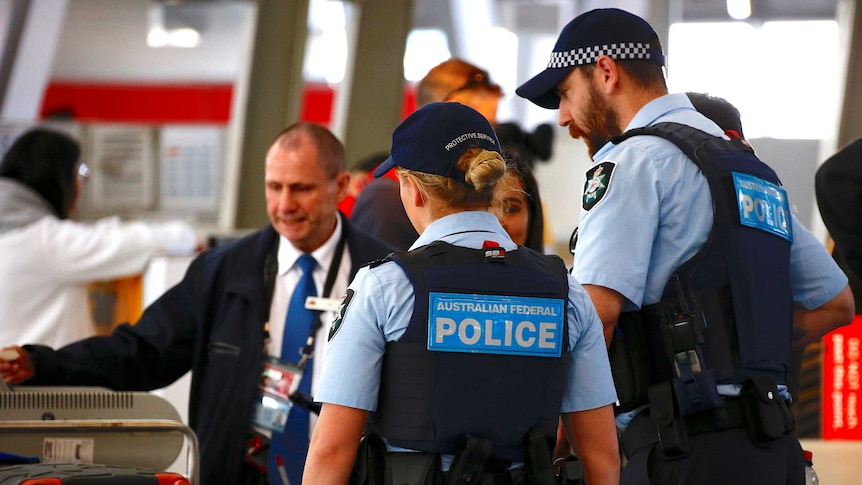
[(122, 300)]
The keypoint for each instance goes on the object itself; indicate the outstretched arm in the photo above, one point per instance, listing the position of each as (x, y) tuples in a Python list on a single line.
[(333, 445)]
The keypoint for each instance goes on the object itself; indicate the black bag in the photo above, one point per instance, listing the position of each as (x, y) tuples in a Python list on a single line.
[(629, 362)]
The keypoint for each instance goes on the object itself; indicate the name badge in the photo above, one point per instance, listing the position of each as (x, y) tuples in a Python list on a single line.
[(493, 324), (278, 380), (763, 205), (322, 304)]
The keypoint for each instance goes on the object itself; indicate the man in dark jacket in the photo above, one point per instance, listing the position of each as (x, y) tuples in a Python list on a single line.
[(225, 317), (838, 188)]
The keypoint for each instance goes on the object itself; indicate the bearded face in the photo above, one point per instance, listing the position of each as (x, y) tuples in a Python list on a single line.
[(586, 112)]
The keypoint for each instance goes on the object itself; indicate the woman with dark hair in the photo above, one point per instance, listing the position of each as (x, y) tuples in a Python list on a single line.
[(46, 259), (47, 162), (518, 206)]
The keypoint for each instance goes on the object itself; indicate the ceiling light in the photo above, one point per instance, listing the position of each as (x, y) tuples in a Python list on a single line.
[(739, 9)]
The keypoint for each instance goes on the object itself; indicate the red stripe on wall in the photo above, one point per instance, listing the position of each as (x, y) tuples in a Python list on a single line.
[(174, 103), (317, 104), (140, 103)]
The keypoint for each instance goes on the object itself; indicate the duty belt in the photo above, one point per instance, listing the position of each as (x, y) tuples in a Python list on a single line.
[(517, 476), (641, 431)]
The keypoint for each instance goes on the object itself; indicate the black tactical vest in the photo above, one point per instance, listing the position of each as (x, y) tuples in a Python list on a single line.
[(429, 400), (736, 290)]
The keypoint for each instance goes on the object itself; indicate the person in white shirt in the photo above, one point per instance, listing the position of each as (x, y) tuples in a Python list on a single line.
[(47, 259)]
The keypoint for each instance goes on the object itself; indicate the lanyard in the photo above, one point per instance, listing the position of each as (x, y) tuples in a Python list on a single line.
[(270, 270)]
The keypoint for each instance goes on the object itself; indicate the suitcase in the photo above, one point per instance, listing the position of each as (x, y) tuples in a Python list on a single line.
[(81, 474)]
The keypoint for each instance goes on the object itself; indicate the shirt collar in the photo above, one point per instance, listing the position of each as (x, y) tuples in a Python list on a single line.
[(461, 227), (651, 113), (288, 254)]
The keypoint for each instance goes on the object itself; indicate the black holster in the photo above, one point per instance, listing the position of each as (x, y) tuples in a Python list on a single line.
[(629, 358), (540, 465), (370, 465), (571, 471), (375, 465)]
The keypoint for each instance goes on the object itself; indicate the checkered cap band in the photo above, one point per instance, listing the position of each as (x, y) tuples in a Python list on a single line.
[(589, 55)]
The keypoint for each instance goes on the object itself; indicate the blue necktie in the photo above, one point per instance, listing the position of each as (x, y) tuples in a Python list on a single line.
[(292, 444)]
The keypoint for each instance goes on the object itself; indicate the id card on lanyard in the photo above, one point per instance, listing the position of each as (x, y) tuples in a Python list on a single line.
[(277, 382), (280, 378)]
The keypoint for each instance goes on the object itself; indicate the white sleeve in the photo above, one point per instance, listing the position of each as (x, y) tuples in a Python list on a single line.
[(174, 238), (108, 248)]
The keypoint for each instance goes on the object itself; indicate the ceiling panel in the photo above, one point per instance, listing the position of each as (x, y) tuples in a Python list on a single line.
[(703, 10)]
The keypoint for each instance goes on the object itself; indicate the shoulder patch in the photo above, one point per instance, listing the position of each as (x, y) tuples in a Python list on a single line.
[(597, 184), (339, 316)]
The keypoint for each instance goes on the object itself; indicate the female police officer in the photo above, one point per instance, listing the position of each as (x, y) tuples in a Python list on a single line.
[(467, 345)]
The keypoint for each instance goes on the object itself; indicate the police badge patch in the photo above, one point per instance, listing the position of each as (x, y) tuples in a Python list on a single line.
[(339, 317), (597, 184)]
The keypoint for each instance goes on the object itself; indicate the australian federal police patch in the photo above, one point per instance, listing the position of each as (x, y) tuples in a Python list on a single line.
[(494, 324), (597, 184), (339, 317)]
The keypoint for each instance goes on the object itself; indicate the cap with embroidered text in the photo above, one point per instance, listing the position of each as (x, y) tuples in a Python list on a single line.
[(433, 138), (610, 32)]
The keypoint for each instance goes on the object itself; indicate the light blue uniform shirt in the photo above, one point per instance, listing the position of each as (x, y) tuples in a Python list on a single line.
[(382, 306), (657, 213)]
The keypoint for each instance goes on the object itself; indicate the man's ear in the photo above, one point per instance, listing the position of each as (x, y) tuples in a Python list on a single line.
[(606, 74), (342, 184)]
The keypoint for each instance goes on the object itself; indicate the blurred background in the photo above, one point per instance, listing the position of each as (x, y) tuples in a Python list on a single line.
[(176, 102)]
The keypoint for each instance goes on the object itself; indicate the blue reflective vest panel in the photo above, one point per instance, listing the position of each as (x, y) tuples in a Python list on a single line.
[(484, 354)]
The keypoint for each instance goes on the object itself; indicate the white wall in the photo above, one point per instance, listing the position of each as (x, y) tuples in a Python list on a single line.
[(107, 40), (561, 184)]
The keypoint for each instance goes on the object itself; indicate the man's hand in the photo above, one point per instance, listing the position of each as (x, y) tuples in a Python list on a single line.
[(15, 365)]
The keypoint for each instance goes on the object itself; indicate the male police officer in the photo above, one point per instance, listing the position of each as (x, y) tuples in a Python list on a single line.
[(714, 299)]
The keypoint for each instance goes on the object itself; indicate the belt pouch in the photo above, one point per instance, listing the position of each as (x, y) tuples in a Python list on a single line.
[(672, 432), (767, 417)]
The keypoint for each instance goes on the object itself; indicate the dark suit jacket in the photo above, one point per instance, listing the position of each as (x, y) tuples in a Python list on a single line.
[(838, 187), (380, 213), (210, 323)]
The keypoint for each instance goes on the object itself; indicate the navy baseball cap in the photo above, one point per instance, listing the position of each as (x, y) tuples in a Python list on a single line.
[(433, 138), (610, 32)]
